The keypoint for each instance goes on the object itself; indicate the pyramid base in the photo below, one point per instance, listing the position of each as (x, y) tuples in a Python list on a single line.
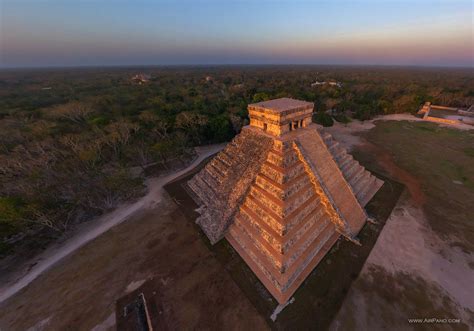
[(283, 297)]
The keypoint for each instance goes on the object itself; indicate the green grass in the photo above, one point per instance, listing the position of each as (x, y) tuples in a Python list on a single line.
[(441, 159), (469, 151)]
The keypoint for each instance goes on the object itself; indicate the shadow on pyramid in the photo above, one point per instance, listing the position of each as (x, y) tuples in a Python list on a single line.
[(282, 193)]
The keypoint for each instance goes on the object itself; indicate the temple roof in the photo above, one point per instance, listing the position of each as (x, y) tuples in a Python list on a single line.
[(282, 104)]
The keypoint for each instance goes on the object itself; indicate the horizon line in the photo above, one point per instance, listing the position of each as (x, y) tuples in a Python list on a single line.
[(79, 66)]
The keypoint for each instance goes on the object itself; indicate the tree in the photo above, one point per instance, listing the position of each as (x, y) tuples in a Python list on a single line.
[(10, 213), (220, 129), (323, 119), (261, 96), (237, 122), (119, 134), (193, 124), (164, 149), (75, 112)]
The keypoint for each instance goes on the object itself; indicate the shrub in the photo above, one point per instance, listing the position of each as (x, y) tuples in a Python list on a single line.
[(341, 118), (323, 119)]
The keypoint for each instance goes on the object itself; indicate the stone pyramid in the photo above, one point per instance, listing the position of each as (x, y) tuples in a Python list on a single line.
[(282, 194)]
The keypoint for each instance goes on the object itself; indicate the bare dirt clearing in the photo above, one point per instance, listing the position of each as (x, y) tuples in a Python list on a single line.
[(421, 265)]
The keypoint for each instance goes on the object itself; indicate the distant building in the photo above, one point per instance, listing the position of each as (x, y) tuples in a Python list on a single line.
[(237, 87), (446, 115), (141, 78), (425, 109), (330, 83), (209, 79), (468, 112)]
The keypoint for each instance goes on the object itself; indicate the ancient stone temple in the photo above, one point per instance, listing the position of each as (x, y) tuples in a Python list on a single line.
[(282, 193)]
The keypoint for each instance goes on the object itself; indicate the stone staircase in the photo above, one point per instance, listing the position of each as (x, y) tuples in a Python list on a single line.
[(225, 180), (362, 182), (320, 158)]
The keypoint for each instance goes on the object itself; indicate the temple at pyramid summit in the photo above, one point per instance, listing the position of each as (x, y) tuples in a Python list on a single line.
[(282, 193)]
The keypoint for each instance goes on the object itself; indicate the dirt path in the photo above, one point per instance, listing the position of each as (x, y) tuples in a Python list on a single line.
[(16, 280), (385, 160)]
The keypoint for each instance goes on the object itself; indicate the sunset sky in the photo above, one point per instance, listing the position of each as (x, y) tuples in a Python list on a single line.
[(136, 32)]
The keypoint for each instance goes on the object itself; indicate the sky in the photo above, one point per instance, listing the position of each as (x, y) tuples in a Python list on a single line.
[(36, 33)]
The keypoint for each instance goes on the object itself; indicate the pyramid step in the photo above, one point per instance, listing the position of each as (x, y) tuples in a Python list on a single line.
[(329, 142), (371, 190), (300, 259), (296, 221), (350, 169), (365, 187), (339, 154), (333, 148), (326, 136), (267, 224), (219, 168), (207, 194), (347, 167), (282, 175), (267, 232), (296, 179), (296, 199), (283, 191), (273, 173), (295, 213), (210, 188), (264, 262), (318, 210), (210, 178), (305, 241), (264, 213), (260, 243), (308, 226), (216, 174), (362, 180), (232, 147), (267, 199), (315, 254), (224, 158), (357, 175), (344, 161), (265, 183)]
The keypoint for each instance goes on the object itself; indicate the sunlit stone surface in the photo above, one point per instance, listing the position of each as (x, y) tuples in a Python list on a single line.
[(282, 193)]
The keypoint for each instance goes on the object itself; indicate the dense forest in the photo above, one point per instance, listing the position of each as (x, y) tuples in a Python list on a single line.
[(74, 143)]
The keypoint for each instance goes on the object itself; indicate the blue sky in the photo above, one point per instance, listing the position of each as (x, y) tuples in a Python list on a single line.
[(113, 32)]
